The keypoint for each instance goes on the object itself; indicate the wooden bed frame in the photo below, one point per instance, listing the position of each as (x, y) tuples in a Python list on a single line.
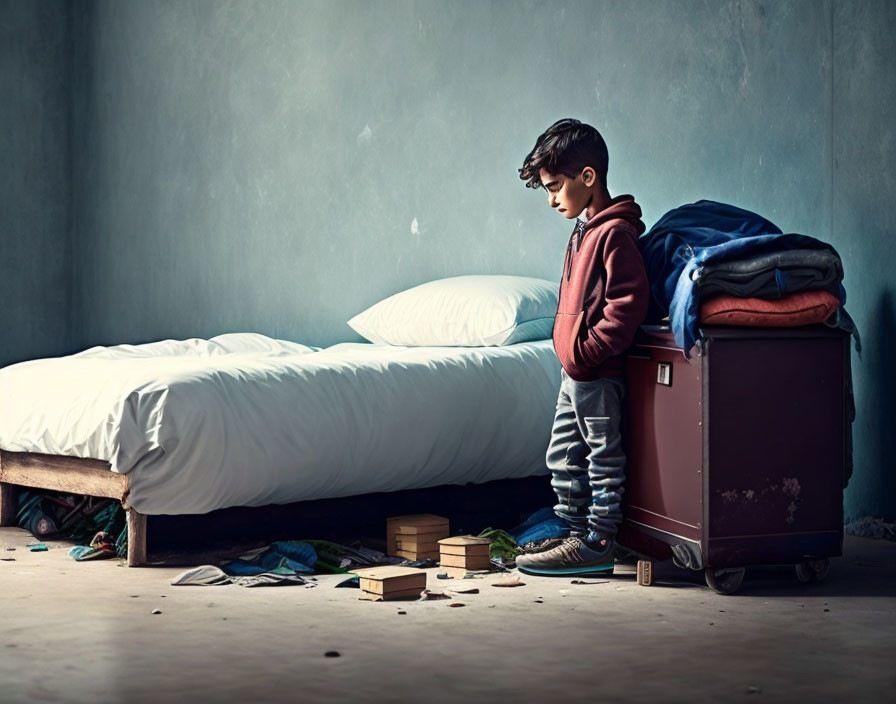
[(75, 475)]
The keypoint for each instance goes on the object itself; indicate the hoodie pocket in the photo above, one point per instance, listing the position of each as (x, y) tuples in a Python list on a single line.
[(566, 332)]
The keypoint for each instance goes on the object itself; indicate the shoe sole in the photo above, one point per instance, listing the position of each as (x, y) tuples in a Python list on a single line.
[(566, 571)]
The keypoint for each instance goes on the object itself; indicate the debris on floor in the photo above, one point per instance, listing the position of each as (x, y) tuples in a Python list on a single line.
[(502, 546), (542, 524), (281, 563), (430, 595), (211, 576), (334, 557), (871, 527), (204, 575), (513, 581), (102, 546), (55, 514)]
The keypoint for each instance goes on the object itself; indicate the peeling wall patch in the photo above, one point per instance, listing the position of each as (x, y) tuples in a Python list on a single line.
[(791, 486), (365, 135)]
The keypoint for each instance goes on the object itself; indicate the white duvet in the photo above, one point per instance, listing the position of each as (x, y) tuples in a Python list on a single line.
[(245, 420)]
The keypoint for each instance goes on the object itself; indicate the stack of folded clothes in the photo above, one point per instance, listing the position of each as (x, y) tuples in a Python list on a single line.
[(714, 264)]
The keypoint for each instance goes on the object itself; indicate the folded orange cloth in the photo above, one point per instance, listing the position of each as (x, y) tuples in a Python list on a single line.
[(804, 308)]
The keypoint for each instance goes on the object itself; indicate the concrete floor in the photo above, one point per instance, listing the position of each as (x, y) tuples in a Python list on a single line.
[(85, 632)]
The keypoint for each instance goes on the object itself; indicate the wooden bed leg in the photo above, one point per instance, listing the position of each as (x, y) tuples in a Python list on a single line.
[(8, 503), (136, 538)]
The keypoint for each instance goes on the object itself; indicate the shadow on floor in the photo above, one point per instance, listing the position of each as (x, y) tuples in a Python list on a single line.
[(866, 569), (223, 534)]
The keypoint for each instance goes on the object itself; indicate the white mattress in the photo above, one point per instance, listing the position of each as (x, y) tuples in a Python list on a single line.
[(245, 420)]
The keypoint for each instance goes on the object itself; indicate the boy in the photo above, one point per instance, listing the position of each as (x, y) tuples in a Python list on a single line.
[(603, 299)]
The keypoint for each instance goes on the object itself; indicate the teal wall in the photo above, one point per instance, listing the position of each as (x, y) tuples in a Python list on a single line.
[(259, 165), (864, 231), (279, 166), (35, 180)]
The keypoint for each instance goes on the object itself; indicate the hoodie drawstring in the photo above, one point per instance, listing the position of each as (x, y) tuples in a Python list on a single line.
[(577, 234)]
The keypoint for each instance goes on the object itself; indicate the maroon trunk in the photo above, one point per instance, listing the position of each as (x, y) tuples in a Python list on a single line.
[(737, 457)]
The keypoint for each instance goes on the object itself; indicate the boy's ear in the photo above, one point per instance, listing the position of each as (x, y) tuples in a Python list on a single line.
[(589, 176)]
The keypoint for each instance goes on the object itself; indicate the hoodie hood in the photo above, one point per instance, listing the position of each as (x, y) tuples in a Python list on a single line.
[(621, 207)]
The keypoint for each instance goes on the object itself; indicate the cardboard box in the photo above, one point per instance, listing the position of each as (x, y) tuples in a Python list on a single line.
[(391, 596), (465, 552), (404, 542), (468, 563), (419, 528), (417, 556), (391, 582)]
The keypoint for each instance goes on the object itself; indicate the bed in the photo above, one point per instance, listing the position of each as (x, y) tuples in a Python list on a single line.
[(190, 426)]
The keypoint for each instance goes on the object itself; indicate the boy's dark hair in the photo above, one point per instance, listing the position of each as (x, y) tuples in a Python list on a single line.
[(566, 147)]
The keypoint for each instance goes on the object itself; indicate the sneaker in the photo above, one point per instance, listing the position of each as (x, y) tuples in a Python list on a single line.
[(534, 546), (573, 556)]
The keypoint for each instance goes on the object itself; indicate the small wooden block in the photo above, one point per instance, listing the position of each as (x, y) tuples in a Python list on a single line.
[(424, 527), (391, 596), (465, 541), (417, 555), (404, 543), (465, 550), (645, 572), (468, 563), (387, 579)]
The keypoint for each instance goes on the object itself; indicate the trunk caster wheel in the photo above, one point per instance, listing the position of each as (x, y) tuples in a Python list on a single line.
[(725, 581), (812, 570)]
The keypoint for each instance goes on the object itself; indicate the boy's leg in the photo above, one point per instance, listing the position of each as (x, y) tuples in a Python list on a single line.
[(567, 458), (606, 460), (587, 463)]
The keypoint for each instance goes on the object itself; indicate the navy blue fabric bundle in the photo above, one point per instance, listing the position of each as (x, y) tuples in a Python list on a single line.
[(542, 524), (686, 238)]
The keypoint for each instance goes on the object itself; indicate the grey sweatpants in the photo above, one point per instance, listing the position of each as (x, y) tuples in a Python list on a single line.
[(585, 454)]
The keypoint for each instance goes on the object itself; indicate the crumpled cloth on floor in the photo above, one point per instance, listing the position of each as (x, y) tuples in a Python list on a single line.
[(294, 555), (101, 547), (334, 557), (211, 576), (544, 523), (204, 575), (278, 564)]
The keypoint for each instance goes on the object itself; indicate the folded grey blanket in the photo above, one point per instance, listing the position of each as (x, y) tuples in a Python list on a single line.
[(773, 275)]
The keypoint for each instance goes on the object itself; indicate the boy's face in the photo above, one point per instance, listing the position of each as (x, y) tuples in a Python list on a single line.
[(568, 196)]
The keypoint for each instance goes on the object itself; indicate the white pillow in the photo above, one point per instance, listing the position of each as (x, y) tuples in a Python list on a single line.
[(463, 311)]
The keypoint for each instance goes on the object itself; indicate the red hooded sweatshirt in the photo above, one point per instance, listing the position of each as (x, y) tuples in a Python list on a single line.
[(603, 292)]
